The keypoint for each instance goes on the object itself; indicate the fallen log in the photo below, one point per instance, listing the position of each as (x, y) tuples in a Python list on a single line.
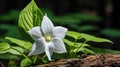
[(100, 60)]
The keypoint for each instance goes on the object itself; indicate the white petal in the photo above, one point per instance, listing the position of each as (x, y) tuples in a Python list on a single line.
[(59, 32), (35, 33), (38, 47), (46, 25), (59, 46), (49, 49)]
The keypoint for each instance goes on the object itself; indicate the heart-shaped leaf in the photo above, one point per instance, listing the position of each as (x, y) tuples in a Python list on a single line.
[(29, 17)]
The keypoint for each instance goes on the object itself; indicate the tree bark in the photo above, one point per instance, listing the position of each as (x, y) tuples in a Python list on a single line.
[(105, 60)]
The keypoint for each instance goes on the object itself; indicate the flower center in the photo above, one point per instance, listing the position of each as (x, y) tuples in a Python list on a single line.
[(48, 38)]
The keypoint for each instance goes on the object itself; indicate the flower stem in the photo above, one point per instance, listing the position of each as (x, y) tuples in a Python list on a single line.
[(72, 53), (35, 58), (43, 60), (80, 47)]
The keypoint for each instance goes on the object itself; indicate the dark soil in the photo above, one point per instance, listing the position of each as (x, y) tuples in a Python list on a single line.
[(102, 60), (3, 63)]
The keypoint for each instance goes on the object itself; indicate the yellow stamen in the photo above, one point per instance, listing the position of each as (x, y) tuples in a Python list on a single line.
[(48, 38)]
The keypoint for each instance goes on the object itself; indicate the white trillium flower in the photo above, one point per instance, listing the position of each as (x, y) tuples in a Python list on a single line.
[(47, 38)]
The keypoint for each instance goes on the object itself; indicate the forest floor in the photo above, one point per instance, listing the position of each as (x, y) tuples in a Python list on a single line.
[(100, 60)]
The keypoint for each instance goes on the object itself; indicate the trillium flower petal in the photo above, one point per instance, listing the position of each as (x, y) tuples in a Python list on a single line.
[(46, 25), (32, 50), (59, 32), (49, 49), (59, 45), (38, 47), (35, 33)]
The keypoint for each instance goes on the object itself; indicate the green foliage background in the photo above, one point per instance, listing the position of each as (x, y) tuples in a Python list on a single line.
[(14, 46)]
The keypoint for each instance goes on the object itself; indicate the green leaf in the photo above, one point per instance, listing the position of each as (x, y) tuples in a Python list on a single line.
[(93, 38), (102, 51), (66, 20), (4, 40), (87, 28), (25, 62), (84, 50), (88, 37), (12, 63), (11, 30), (8, 56), (29, 17), (18, 49), (87, 51), (13, 50), (73, 34), (19, 42), (82, 45), (78, 47), (68, 42), (111, 32), (12, 15), (4, 46)]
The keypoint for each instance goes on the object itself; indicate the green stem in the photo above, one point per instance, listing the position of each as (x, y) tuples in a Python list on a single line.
[(80, 47), (72, 53), (35, 58), (44, 61), (43, 56)]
